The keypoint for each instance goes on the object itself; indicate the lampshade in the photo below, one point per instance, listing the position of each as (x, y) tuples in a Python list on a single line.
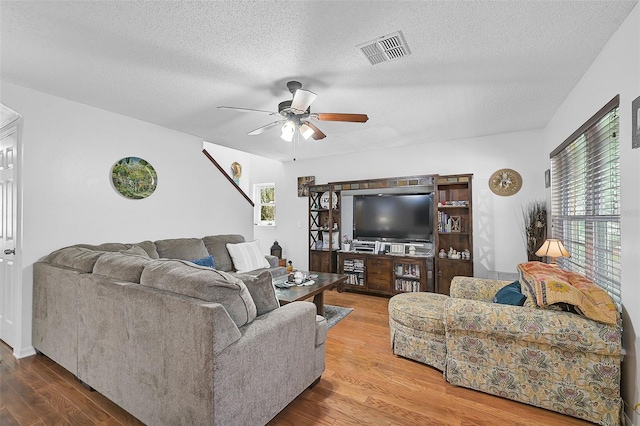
[(288, 129), (306, 131), (552, 248)]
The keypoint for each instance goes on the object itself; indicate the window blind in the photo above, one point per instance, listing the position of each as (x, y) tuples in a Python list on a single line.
[(585, 199)]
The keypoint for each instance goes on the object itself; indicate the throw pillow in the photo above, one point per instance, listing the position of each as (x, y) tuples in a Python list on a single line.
[(121, 266), (183, 277), (205, 261), (510, 295), (246, 257), (262, 291), (548, 286)]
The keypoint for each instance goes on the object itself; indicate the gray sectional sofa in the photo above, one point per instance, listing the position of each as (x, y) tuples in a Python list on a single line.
[(172, 342)]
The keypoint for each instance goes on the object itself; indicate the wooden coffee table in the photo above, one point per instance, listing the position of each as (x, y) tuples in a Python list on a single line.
[(323, 281)]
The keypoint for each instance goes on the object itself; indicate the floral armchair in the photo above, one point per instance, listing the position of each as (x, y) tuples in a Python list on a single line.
[(543, 357)]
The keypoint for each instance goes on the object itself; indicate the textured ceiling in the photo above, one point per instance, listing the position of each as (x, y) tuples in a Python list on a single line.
[(475, 69)]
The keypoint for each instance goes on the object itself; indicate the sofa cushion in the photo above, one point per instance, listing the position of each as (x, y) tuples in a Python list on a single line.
[(121, 267), (203, 283), (208, 261), (181, 248), (150, 248), (75, 257), (246, 257), (217, 247), (549, 285), (262, 291), (510, 294), (135, 250)]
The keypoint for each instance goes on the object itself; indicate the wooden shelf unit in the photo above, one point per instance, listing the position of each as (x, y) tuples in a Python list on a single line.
[(324, 225), (386, 274), (376, 273), (454, 225)]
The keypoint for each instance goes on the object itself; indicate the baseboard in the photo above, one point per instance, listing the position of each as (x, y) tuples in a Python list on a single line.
[(24, 352)]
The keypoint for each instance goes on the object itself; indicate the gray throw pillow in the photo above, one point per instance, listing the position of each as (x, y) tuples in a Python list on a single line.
[(262, 291), (203, 283), (121, 267)]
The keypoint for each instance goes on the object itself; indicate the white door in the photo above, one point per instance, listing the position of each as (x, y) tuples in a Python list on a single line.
[(9, 267)]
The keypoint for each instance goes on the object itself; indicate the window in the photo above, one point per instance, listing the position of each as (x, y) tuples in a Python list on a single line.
[(585, 199), (264, 195)]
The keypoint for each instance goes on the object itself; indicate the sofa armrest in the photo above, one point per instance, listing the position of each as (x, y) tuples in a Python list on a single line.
[(475, 288), (539, 326)]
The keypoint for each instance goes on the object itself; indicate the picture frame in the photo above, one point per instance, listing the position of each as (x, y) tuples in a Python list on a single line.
[(547, 178), (303, 185), (635, 123)]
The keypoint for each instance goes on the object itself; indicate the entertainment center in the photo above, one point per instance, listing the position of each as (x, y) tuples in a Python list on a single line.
[(409, 233)]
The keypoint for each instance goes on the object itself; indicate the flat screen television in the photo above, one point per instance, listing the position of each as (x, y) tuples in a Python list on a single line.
[(393, 217)]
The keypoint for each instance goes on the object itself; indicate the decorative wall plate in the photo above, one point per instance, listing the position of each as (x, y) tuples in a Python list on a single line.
[(505, 182), (134, 178), (324, 200)]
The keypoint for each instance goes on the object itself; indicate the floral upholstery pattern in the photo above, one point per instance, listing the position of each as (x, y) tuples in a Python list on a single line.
[(555, 360), (417, 327)]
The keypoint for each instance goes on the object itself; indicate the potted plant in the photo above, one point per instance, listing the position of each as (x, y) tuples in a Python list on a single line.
[(534, 217), (346, 243)]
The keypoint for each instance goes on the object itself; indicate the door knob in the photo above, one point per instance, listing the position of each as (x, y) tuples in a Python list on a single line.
[(10, 251)]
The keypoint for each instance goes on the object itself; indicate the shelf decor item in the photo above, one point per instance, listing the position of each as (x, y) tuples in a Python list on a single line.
[(134, 178), (325, 203), (505, 182), (276, 250), (534, 224)]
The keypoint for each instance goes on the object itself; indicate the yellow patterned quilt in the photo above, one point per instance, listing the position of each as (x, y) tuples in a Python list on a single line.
[(546, 285)]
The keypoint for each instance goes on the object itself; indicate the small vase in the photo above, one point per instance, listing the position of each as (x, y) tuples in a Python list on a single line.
[(346, 247)]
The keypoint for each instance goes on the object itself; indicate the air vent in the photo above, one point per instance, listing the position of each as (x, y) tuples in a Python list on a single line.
[(392, 46)]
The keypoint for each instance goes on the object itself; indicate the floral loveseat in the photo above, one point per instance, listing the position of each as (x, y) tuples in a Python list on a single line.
[(539, 354)]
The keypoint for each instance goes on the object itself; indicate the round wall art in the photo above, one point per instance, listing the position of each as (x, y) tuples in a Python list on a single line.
[(505, 182), (134, 178)]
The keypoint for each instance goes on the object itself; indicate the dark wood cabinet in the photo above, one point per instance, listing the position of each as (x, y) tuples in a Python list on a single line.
[(386, 274), (454, 225), (379, 274), (393, 273), (322, 261)]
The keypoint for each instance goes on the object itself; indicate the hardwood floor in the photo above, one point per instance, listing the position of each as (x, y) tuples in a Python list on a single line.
[(364, 383)]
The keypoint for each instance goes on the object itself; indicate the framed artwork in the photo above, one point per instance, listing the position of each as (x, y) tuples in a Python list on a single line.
[(547, 178), (635, 122), (303, 185), (134, 178)]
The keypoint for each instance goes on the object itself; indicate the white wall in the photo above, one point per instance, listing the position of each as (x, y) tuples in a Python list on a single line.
[(498, 242), (225, 157), (616, 70), (69, 149)]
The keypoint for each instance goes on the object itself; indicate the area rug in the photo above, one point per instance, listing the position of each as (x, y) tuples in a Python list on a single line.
[(333, 314)]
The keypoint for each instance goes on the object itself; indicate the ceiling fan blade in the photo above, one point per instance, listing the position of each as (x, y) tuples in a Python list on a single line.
[(354, 118), (260, 130), (301, 101), (249, 110), (317, 133)]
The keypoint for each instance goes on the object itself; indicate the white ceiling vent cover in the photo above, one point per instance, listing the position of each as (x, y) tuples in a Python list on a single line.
[(386, 48)]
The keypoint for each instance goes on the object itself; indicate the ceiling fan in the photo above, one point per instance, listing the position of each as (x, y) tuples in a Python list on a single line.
[(296, 115)]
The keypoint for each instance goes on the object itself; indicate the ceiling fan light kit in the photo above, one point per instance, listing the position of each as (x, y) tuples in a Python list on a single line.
[(296, 114)]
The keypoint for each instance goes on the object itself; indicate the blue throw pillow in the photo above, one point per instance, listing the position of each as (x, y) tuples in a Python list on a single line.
[(205, 261), (511, 294)]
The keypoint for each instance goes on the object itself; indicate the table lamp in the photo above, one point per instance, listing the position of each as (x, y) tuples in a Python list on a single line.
[(552, 248)]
